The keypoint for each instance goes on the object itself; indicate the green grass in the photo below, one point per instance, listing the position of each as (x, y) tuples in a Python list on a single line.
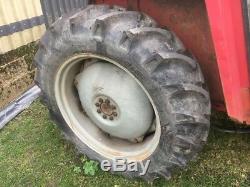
[(33, 153)]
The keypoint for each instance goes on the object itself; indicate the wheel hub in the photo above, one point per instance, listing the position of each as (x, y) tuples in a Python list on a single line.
[(106, 108), (114, 101)]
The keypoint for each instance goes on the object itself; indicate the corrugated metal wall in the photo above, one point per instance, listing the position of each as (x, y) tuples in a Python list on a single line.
[(23, 21), (16, 18), (53, 9)]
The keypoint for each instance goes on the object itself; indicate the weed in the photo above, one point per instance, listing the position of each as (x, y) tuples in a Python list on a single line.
[(90, 167)]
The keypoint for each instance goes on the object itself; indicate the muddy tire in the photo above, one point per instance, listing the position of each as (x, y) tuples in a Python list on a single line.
[(155, 57)]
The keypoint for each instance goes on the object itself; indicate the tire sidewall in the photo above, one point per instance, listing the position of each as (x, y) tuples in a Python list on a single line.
[(56, 59)]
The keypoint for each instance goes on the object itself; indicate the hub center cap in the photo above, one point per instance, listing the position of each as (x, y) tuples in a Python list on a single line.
[(114, 100)]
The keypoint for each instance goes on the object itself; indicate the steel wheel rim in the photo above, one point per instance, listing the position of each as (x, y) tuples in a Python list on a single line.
[(88, 132)]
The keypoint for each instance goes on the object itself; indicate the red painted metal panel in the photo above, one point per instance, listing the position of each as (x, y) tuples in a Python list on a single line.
[(122, 3), (226, 21)]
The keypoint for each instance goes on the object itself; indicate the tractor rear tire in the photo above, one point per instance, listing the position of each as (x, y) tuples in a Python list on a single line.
[(155, 56)]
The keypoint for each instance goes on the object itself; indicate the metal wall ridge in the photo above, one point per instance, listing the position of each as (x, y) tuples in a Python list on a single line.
[(18, 26), (21, 22), (53, 9)]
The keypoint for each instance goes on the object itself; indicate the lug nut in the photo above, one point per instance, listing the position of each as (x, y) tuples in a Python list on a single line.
[(111, 118), (99, 111), (104, 117), (100, 100), (107, 101), (113, 107), (115, 114), (97, 104)]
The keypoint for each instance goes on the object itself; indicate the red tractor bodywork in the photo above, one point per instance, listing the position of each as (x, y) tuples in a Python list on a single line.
[(213, 30), (227, 26)]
